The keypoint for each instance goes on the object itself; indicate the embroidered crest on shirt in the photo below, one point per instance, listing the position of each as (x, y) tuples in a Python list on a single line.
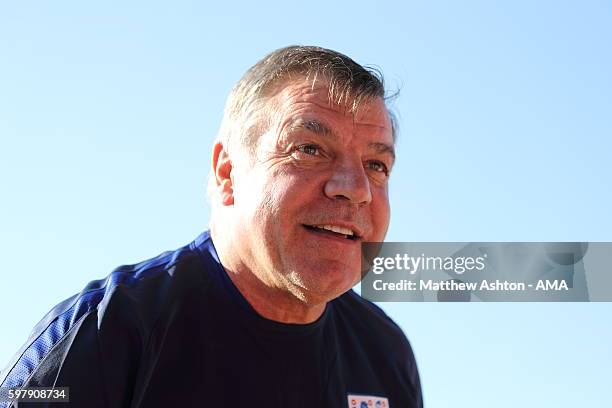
[(367, 401)]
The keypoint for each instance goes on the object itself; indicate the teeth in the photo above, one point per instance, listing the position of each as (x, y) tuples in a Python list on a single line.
[(337, 229)]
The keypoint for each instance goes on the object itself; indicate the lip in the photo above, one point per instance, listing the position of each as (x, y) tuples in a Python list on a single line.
[(330, 235), (358, 233)]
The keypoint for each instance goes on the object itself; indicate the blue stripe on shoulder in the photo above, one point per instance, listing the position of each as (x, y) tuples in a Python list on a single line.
[(45, 342), (54, 328)]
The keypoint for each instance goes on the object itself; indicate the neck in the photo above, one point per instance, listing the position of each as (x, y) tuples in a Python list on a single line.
[(277, 302)]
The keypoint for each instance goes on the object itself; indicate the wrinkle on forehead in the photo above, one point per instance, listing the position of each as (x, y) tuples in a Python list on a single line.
[(371, 113), (358, 116)]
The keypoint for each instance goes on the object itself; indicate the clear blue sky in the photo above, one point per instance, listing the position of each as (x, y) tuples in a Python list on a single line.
[(107, 113)]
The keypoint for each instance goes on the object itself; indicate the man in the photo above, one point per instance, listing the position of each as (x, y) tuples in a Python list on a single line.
[(259, 311)]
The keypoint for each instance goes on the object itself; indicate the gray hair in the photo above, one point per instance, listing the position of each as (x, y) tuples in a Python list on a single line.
[(349, 84)]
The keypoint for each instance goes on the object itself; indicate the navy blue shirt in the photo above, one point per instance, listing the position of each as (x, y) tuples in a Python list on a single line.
[(175, 331)]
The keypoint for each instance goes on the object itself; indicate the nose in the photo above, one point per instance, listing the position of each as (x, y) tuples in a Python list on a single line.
[(349, 182)]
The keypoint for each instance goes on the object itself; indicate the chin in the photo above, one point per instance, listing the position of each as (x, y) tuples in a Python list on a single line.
[(325, 284)]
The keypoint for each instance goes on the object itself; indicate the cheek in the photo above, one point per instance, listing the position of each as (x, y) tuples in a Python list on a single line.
[(271, 200), (381, 214), (290, 187), (254, 200)]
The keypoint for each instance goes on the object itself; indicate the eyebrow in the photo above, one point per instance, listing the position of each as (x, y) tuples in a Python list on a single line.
[(321, 129), (382, 148), (315, 127)]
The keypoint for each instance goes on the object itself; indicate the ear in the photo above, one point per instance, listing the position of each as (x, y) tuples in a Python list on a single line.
[(222, 171)]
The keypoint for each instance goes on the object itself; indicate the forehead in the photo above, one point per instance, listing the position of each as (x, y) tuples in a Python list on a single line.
[(302, 99)]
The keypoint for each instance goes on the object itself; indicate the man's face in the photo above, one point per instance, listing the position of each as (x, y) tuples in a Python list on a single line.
[(317, 188)]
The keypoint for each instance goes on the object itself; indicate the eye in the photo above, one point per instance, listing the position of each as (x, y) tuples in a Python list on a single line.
[(309, 149), (378, 166)]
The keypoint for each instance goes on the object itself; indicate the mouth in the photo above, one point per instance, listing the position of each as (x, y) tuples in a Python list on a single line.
[(334, 231)]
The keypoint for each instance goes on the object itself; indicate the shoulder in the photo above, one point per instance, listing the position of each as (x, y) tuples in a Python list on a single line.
[(125, 302)]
